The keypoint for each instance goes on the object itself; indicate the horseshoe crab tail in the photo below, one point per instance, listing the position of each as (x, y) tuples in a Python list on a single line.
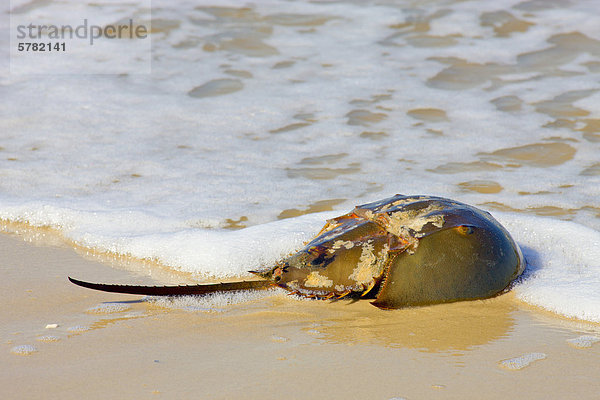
[(184, 290)]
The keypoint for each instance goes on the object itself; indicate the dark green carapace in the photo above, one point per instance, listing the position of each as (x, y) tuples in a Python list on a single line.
[(406, 251), (401, 251)]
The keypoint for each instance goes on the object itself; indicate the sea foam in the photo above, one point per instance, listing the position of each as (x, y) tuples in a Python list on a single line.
[(314, 106)]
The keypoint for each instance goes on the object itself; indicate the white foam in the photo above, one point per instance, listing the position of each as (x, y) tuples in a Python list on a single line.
[(78, 328), (108, 308), (563, 272), (218, 253), (48, 338), (583, 341), (132, 164), (24, 350), (522, 361), (213, 302), (279, 339)]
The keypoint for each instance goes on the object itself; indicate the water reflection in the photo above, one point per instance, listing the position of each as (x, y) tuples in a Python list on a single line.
[(457, 327)]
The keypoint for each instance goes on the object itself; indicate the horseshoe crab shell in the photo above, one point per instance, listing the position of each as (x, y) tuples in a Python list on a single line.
[(402, 251), (413, 250)]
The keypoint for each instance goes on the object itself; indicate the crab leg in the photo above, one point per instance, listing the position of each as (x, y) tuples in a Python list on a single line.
[(368, 289), (330, 295)]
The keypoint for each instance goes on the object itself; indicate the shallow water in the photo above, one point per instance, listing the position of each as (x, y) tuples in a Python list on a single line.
[(54, 335), (255, 115)]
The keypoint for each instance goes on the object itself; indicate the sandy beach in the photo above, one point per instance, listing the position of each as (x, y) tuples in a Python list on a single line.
[(222, 138), (62, 341)]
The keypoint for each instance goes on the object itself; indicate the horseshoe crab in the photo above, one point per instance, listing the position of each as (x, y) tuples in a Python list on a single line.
[(401, 251)]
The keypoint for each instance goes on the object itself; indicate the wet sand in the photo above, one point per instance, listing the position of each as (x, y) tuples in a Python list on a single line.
[(271, 347)]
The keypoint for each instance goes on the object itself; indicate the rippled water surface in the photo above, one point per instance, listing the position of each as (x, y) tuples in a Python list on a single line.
[(265, 111)]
